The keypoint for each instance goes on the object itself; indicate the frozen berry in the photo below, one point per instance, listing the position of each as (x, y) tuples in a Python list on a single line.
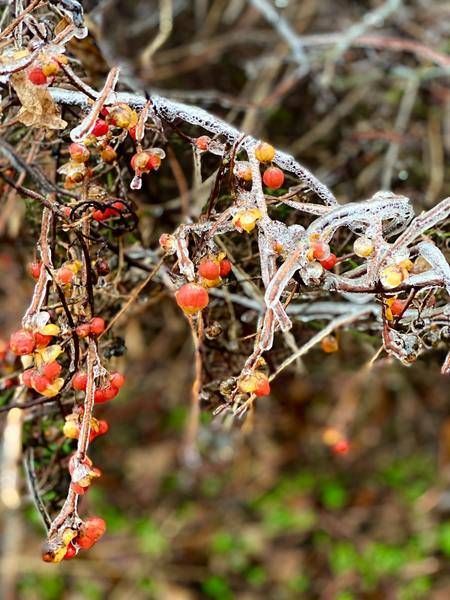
[(100, 128), (79, 381), (22, 342), (264, 152), (192, 298), (225, 267), (273, 178), (96, 325), (209, 269), (37, 76)]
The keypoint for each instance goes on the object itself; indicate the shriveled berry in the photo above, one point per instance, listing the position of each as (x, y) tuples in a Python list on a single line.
[(91, 531), (37, 76), (108, 155), (79, 381), (209, 269), (320, 250), (51, 68), (255, 383), (203, 142), (123, 116), (247, 219), (79, 153), (22, 342), (273, 178), (264, 152), (192, 298)]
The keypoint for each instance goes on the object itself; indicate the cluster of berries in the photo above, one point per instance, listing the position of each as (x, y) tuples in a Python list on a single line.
[(193, 297), (45, 68), (72, 541)]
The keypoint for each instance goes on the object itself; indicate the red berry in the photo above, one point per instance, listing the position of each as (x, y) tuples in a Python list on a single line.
[(117, 380), (192, 298), (71, 552), (263, 388), (83, 330), (328, 263), (225, 267), (42, 340), (39, 382), (103, 427), (52, 370), (100, 128), (91, 531), (203, 142), (79, 381), (99, 396), (209, 269), (100, 215), (273, 178), (22, 342), (64, 275), (132, 132), (97, 325), (37, 76), (34, 269), (397, 307), (105, 394), (341, 447)]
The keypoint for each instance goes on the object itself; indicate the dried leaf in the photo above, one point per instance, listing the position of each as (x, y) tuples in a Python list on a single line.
[(38, 108)]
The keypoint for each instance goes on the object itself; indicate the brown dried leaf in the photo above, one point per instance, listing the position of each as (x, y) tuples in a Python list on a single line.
[(38, 108)]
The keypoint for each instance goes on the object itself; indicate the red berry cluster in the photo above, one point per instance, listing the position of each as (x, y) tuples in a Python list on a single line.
[(193, 297)]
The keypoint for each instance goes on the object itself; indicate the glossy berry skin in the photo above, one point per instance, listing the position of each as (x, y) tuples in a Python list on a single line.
[(71, 552), (273, 178), (64, 276), (34, 269), (109, 392), (79, 153), (330, 262), (117, 380), (192, 298), (203, 142), (225, 267), (209, 269), (264, 152), (100, 128), (37, 76), (52, 370), (96, 326), (123, 116), (79, 381), (22, 342)]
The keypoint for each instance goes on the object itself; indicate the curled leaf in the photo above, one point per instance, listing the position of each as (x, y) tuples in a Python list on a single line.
[(38, 108)]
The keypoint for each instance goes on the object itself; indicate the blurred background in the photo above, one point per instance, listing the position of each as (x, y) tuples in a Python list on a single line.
[(358, 92)]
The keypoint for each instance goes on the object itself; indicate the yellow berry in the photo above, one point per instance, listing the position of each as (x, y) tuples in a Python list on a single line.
[(363, 247), (392, 276), (247, 219), (264, 152)]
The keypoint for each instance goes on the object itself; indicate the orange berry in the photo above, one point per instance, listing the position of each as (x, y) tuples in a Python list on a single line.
[(79, 153), (192, 298), (22, 342), (273, 178), (97, 325), (203, 142), (209, 269)]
